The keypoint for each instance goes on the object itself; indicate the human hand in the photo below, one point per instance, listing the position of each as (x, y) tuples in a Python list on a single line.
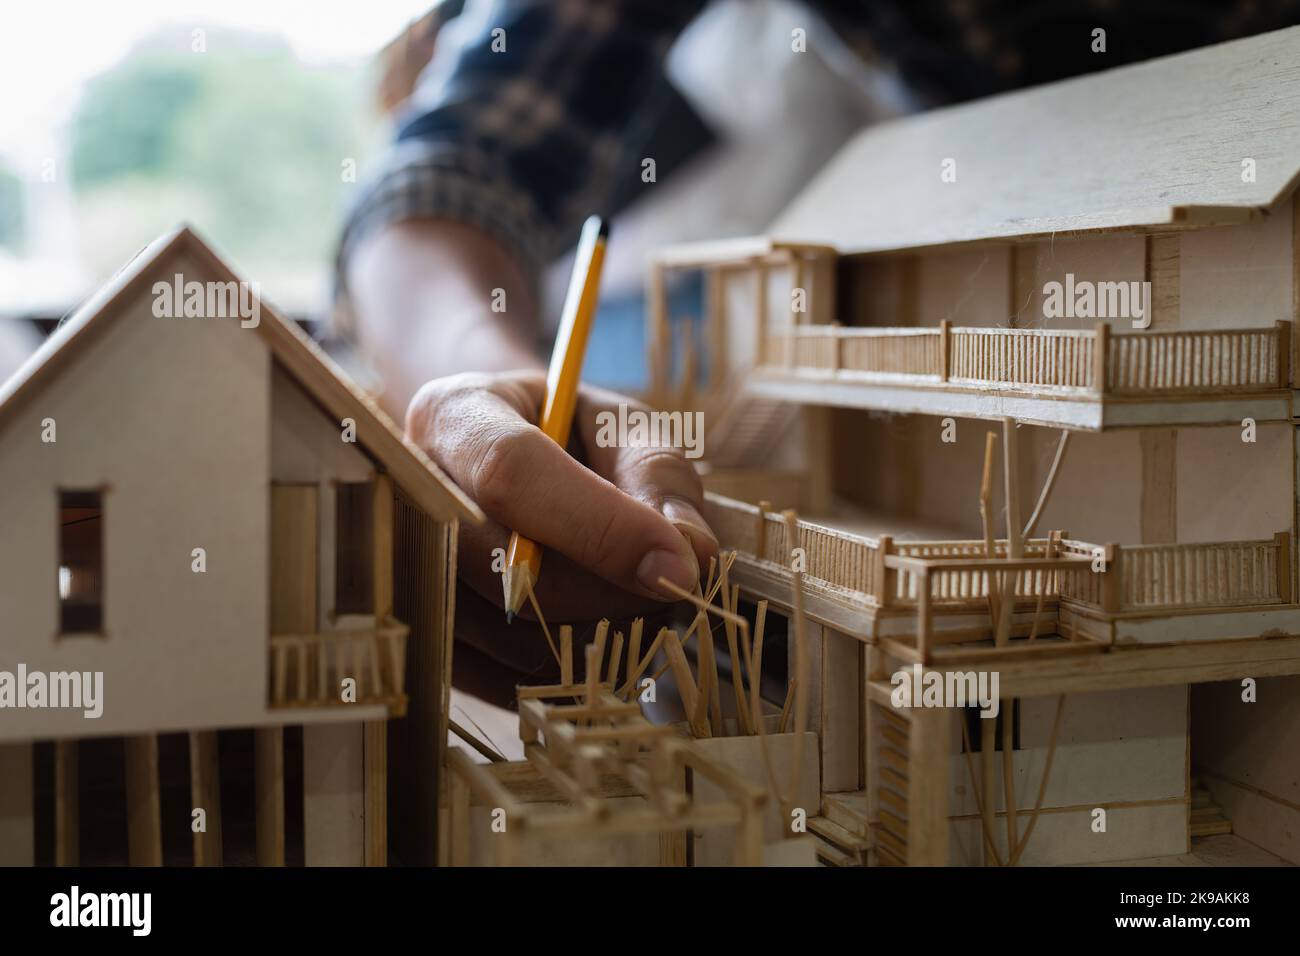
[(612, 521)]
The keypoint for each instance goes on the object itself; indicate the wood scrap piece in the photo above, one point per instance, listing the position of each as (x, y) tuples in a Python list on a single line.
[(615, 657), (756, 668), (685, 680), (730, 601), (566, 654)]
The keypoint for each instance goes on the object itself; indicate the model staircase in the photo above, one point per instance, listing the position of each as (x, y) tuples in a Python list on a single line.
[(748, 431), (841, 831), (1207, 816), (890, 832)]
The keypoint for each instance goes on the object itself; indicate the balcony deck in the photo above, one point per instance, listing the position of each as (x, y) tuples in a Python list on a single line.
[(308, 670), (929, 602), (1086, 379)]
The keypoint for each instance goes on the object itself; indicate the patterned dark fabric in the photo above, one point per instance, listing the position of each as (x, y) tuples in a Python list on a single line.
[(527, 141)]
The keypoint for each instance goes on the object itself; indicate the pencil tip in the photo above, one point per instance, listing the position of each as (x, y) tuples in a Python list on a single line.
[(510, 617)]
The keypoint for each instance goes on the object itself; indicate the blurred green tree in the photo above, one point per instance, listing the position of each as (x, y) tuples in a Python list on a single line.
[(243, 140)]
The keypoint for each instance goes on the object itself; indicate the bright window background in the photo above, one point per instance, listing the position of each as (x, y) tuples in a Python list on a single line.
[(113, 128)]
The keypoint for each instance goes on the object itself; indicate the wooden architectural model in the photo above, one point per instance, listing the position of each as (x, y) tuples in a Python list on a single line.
[(1005, 403), (1107, 269), (206, 528)]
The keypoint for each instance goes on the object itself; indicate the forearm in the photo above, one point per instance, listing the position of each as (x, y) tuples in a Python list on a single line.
[(423, 293)]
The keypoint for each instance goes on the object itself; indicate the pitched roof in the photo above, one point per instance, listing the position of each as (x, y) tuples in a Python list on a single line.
[(419, 477), (1155, 145)]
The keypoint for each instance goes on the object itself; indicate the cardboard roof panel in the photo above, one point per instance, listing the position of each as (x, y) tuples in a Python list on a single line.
[(1154, 144)]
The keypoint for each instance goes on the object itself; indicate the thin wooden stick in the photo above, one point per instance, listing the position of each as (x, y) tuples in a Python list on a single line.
[(989, 837), (1008, 773), (630, 686), (694, 622), (1047, 484), (474, 742), (602, 631), (730, 601), (566, 654), (768, 766), (786, 707), (634, 649), (756, 668), (615, 657), (737, 668), (1011, 478), (592, 674), (703, 695), (541, 619), (708, 663), (989, 780), (685, 680), (1042, 784), (986, 519)]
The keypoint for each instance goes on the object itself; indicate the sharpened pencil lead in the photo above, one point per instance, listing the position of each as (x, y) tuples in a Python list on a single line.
[(510, 617)]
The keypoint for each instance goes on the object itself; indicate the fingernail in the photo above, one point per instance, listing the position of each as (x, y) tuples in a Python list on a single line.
[(688, 520), (674, 567)]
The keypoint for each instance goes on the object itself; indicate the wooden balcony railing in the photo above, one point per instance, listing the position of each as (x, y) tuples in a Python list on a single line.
[(1109, 579), (930, 581), (1223, 574), (1075, 361), (834, 559), (1217, 360), (1041, 358), (960, 571), (308, 670), (876, 352)]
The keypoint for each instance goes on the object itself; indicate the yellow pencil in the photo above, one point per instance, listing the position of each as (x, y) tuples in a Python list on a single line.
[(524, 556)]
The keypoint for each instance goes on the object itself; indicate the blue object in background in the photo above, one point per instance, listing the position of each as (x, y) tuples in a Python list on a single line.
[(616, 351)]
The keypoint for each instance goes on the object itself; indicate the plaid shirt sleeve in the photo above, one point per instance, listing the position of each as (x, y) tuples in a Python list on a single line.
[(522, 129)]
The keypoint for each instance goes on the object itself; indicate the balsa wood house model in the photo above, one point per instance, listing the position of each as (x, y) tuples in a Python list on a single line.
[(1003, 407), (206, 528), (1114, 260)]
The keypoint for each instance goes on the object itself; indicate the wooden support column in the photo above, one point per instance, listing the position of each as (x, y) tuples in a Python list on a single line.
[(657, 340), (989, 788), (1159, 502), (376, 802), (333, 757), (143, 804), (17, 838), (839, 726), (1293, 366), (205, 794), (1295, 282), (819, 460), (1023, 263), (815, 638), (715, 325), (927, 791), (268, 785), (873, 669), (67, 805), (1164, 272), (1100, 353)]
